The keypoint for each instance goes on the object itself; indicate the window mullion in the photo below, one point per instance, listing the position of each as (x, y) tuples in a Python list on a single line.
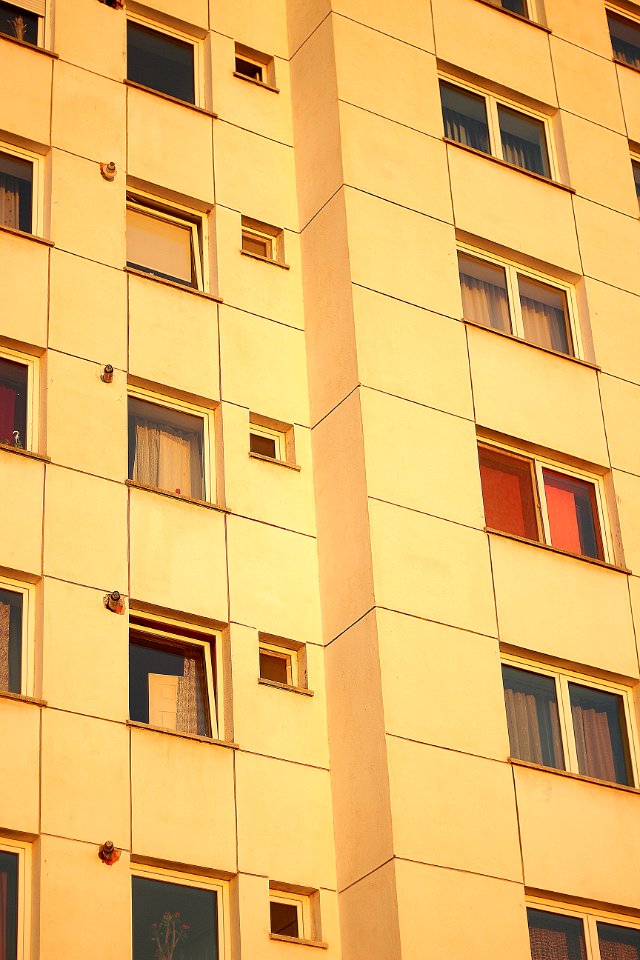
[(593, 945), (542, 503), (571, 757), (494, 127), (514, 302)]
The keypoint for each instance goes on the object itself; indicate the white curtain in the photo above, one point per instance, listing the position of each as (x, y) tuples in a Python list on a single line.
[(168, 459), (485, 303)]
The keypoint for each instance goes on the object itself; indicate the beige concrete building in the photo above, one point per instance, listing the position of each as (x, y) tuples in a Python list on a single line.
[(319, 479)]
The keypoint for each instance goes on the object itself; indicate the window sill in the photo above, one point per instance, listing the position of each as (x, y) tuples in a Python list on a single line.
[(562, 553), (30, 46), (256, 256), (167, 96), (509, 166), (175, 496), (516, 16), (179, 733), (528, 343), (25, 453), (22, 697), (171, 283), (305, 943), (285, 686), (279, 463), (27, 236), (256, 83), (515, 762)]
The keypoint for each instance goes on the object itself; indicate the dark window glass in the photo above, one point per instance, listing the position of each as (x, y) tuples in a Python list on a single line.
[(166, 449), (600, 732), (618, 943), (16, 193), (274, 667), (249, 69), (8, 906), (21, 24), (254, 243), (532, 717), (625, 39), (284, 919), (265, 446), (523, 141), (507, 491), (10, 642), (636, 176), (515, 6), (170, 912), (167, 687), (465, 117), (13, 403), (554, 937), (545, 315), (573, 514), (161, 246), (160, 62), (484, 293)]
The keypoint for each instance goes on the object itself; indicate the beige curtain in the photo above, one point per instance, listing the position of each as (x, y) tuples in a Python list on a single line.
[(190, 717), (593, 743), (485, 303), (167, 459), (524, 727), (544, 325), (5, 614), (9, 202), (554, 945), (618, 951)]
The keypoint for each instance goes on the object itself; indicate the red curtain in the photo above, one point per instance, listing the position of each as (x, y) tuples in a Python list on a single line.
[(7, 417), (507, 491), (563, 518)]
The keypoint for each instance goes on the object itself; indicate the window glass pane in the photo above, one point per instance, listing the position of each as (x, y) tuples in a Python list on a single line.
[(484, 293), (168, 912), (261, 246), (8, 906), (10, 641), (523, 141), (273, 667), (573, 514), (532, 717), (507, 491), (636, 176), (16, 193), (168, 688), (21, 24), (465, 117), (284, 919), (166, 449), (265, 446), (160, 246), (161, 62), (600, 731), (618, 943), (554, 937), (545, 315), (625, 39), (249, 69), (515, 6), (13, 403)]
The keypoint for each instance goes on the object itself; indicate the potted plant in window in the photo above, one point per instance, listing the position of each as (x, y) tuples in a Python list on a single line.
[(167, 934)]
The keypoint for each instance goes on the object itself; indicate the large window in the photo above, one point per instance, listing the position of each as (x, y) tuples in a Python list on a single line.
[(478, 120), (22, 21), (501, 296), (543, 501), (14, 381), (568, 722), (161, 60), (172, 677), (16, 192), (168, 448), (625, 39), (164, 243), (576, 936), (177, 917)]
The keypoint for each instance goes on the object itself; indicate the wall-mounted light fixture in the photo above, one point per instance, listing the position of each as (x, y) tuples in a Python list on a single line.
[(114, 602), (108, 853), (108, 170), (107, 374)]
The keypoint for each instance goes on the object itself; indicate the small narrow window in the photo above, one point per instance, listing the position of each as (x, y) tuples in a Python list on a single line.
[(600, 734), (11, 641), (252, 65), (160, 61), (514, 6), (16, 193), (163, 244), (267, 443), (532, 717), (625, 39), (282, 661), (21, 23), (262, 240), (484, 293), (285, 918), (508, 493), (465, 117), (9, 866), (276, 665), (545, 315), (14, 379), (166, 449), (618, 943), (555, 936), (523, 141), (573, 514), (174, 921)]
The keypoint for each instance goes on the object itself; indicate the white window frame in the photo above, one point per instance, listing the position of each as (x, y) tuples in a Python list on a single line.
[(562, 679), (492, 102), (24, 853), (27, 592), (198, 57), (180, 878), (273, 236), (37, 184), (512, 271), (302, 903), (256, 59), (539, 464), (624, 15), (527, 6), (208, 434), (160, 628), (590, 919), (153, 206), (268, 433), (33, 394), (284, 653), (39, 7)]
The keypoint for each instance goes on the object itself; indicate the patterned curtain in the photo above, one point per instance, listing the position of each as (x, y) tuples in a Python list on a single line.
[(4, 923), (5, 616), (9, 201), (190, 715)]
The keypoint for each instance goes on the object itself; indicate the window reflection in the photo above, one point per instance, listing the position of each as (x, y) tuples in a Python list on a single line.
[(173, 922)]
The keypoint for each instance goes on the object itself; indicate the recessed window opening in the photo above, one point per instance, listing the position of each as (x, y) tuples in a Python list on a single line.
[(523, 141), (160, 61), (21, 22), (166, 449), (284, 918), (255, 71), (16, 192), (515, 6), (14, 380), (625, 39), (164, 244), (276, 666), (262, 240), (184, 916), (254, 65), (267, 443)]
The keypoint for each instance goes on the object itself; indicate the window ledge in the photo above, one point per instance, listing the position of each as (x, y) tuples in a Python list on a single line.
[(536, 346), (22, 697), (26, 235), (623, 63), (305, 943), (25, 453), (179, 733), (175, 496), (279, 463), (167, 96), (256, 256), (563, 553), (514, 761), (172, 283), (29, 46), (256, 83), (516, 16), (285, 686), (509, 166)]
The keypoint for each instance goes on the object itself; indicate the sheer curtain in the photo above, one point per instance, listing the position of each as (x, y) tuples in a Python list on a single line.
[(593, 743), (544, 324), (464, 129), (9, 202), (485, 303), (5, 615), (190, 716), (168, 459), (534, 734)]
